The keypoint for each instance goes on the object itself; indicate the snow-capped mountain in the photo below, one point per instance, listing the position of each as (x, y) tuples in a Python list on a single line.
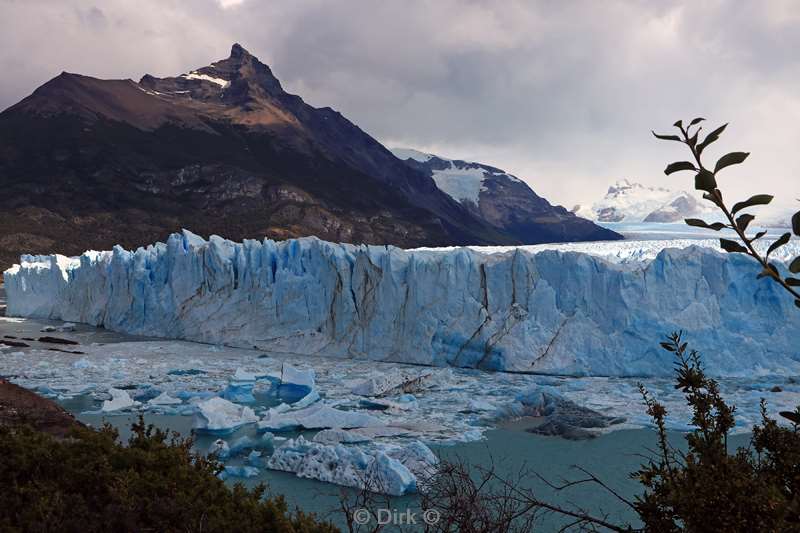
[(503, 200), (628, 201)]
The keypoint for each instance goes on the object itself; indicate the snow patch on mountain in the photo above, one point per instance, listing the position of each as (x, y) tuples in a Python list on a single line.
[(410, 153), (194, 75), (462, 180)]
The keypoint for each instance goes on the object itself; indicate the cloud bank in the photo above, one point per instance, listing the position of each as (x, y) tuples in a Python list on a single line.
[(563, 94)]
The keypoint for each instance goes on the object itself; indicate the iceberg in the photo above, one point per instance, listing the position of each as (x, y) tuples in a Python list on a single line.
[(598, 309), (294, 376), (239, 392), (120, 399), (339, 436), (165, 399), (239, 471), (317, 416), (394, 381), (370, 468), (221, 416), (221, 448)]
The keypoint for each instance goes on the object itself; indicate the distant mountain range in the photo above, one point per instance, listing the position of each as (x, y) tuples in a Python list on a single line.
[(503, 200), (628, 201), (89, 163)]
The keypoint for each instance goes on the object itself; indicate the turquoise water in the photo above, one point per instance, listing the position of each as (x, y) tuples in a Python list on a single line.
[(610, 457)]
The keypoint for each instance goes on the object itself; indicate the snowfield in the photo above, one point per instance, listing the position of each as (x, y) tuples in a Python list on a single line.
[(574, 309)]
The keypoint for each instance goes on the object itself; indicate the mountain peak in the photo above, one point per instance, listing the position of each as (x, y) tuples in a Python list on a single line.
[(243, 66), (239, 51)]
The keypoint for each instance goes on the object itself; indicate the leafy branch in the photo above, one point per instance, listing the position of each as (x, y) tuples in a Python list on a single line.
[(706, 180)]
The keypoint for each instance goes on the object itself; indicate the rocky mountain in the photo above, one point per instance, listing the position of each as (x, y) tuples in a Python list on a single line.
[(503, 200), (628, 201), (88, 163)]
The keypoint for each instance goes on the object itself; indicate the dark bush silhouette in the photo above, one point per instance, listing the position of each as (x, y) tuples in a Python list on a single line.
[(91, 482), (708, 488)]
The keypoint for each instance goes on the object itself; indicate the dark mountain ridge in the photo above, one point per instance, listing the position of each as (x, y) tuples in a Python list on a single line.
[(89, 163)]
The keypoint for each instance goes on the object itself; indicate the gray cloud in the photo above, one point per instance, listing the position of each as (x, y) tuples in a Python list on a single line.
[(563, 94)]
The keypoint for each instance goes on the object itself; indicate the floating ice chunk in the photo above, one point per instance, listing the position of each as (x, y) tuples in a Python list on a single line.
[(318, 416), (339, 436), (165, 399), (306, 400), (239, 392), (245, 443), (372, 469), (194, 394), (389, 476), (220, 448), (146, 393), (405, 402), (219, 415), (392, 382), (418, 458), (480, 405), (186, 372), (120, 399), (385, 431), (66, 327), (254, 459), (239, 471), (294, 376), (82, 364), (243, 375)]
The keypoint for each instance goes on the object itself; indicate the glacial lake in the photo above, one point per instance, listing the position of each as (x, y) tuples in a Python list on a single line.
[(611, 457)]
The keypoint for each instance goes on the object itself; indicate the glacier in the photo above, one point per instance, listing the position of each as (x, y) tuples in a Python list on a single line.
[(575, 310)]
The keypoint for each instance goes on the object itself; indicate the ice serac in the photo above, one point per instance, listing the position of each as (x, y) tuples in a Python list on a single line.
[(547, 311)]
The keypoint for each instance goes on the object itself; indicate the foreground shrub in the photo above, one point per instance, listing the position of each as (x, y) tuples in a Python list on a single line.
[(92, 482)]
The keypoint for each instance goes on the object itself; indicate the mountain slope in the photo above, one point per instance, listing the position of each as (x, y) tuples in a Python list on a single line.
[(633, 202), (88, 163), (503, 200)]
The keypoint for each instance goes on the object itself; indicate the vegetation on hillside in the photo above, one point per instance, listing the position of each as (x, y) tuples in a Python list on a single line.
[(91, 482)]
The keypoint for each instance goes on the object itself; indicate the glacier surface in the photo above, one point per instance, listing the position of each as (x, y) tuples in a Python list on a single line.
[(589, 309)]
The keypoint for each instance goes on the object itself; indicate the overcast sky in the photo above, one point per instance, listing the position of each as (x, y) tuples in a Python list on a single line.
[(563, 94)]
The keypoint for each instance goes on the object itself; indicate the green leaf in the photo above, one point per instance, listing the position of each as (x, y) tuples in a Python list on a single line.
[(743, 221), (797, 303), (758, 199), (710, 138), (794, 267), (793, 282), (679, 124), (666, 137), (696, 222), (783, 239), (705, 181), (710, 197), (677, 167), (732, 246), (796, 223), (759, 235), (733, 158), (696, 121)]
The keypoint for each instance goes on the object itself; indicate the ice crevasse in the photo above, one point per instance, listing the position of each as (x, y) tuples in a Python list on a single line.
[(545, 311)]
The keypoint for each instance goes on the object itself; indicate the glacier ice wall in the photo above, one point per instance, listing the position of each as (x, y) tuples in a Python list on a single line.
[(549, 311)]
